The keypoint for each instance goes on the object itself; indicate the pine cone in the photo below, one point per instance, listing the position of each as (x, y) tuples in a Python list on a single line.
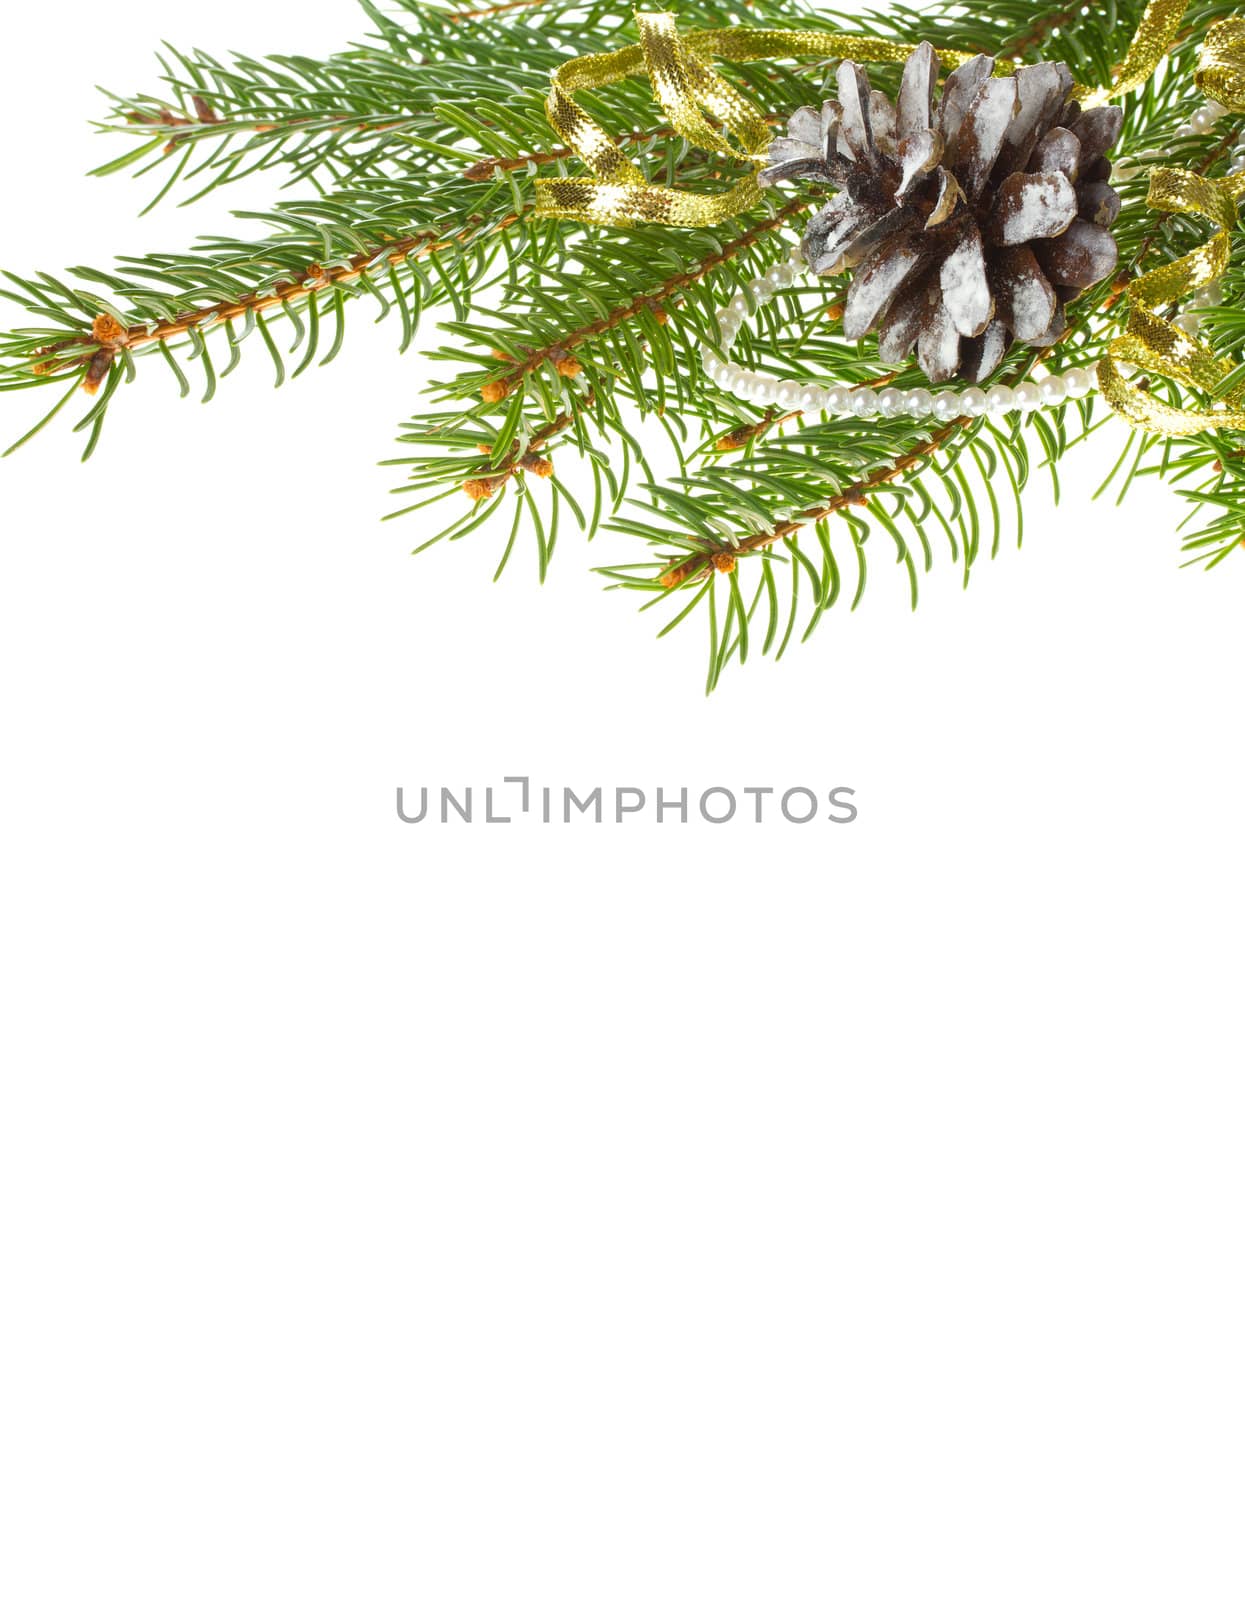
[(969, 223)]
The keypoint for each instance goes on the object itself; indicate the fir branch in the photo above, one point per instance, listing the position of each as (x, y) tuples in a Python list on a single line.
[(418, 145), (854, 495), (1038, 32), (108, 337), (494, 11), (648, 300), (493, 166), (521, 457)]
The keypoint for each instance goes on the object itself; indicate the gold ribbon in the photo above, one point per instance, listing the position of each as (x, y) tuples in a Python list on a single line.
[(679, 68), (1150, 343), (1155, 35), (1221, 63), (684, 80)]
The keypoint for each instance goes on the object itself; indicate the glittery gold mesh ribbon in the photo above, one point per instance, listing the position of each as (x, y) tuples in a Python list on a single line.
[(683, 79), (678, 66), (1221, 63), (1150, 343), (1155, 35)]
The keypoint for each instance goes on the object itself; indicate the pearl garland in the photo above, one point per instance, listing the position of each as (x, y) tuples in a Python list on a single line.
[(944, 405), (1201, 122)]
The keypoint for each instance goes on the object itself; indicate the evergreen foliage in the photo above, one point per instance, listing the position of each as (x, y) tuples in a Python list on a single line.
[(405, 164)]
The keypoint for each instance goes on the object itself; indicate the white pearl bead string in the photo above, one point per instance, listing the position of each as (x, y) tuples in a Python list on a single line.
[(1201, 122), (944, 405)]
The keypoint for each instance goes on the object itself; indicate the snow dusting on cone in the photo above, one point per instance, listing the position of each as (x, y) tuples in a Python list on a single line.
[(969, 219)]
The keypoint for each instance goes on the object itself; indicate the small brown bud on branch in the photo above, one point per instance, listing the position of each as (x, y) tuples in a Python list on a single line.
[(101, 361), (107, 330)]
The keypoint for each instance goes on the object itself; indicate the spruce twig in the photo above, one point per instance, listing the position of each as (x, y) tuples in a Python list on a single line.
[(406, 162)]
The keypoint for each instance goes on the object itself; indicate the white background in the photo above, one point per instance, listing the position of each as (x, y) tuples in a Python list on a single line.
[(586, 1212)]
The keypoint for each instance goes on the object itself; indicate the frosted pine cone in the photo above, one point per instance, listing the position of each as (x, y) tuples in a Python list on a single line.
[(969, 221)]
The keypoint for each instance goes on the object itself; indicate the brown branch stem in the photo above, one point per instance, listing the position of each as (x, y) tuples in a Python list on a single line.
[(855, 494), (527, 459), (493, 11), (648, 301), (211, 120), (97, 349), (490, 166), (1038, 32)]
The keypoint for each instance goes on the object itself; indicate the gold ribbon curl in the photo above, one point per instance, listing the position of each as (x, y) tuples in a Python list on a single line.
[(678, 66), (1155, 35), (1221, 63), (1150, 343), (683, 79)]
